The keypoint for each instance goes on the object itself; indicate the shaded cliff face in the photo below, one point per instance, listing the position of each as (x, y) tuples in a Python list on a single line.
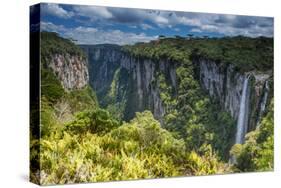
[(131, 83), (144, 77), (103, 62), (71, 70), (225, 84)]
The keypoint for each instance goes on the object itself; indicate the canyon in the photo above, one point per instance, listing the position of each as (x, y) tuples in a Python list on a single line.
[(132, 81)]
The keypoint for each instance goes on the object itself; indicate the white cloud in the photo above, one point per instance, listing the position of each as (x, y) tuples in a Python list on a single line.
[(56, 10), (196, 30), (49, 26), (146, 19), (161, 20), (87, 35), (93, 12), (91, 35), (145, 26)]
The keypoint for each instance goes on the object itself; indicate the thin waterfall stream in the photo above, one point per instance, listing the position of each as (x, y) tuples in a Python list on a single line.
[(242, 122)]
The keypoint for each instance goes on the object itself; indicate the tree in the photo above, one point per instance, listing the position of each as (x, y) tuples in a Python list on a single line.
[(98, 121)]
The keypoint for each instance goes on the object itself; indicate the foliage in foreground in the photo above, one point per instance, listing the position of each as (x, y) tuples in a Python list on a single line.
[(138, 149)]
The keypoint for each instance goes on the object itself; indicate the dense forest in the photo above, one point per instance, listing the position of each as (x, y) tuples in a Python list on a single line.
[(86, 137)]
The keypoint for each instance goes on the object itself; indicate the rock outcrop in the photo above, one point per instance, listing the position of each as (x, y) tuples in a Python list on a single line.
[(71, 70)]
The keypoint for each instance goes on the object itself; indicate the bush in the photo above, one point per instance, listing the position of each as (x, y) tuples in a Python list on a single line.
[(98, 121), (81, 100), (138, 149), (51, 88)]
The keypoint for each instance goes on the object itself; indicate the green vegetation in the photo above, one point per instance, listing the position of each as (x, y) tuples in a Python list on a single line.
[(246, 53), (50, 86), (115, 101), (87, 150), (52, 43), (190, 114), (82, 99), (258, 151), (96, 122), (82, 142)]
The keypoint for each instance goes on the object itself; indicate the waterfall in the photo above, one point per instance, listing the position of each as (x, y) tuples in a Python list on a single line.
[(242, 122), (263, 102)]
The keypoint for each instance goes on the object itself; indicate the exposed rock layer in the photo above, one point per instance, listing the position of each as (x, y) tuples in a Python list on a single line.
[(72, 71)]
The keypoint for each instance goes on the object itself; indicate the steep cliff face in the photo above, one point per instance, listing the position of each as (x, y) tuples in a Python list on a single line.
[(71, 70), (103, 62), (225, 83), (112, 70), (118, 77), (144, 75), (65, 59)]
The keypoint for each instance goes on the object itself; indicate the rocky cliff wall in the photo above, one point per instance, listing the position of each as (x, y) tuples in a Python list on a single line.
[(140, 78), (225, 83), (222, 82), (71, 70)]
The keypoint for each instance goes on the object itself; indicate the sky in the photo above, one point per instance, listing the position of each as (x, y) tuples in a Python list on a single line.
[(99, 25)]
